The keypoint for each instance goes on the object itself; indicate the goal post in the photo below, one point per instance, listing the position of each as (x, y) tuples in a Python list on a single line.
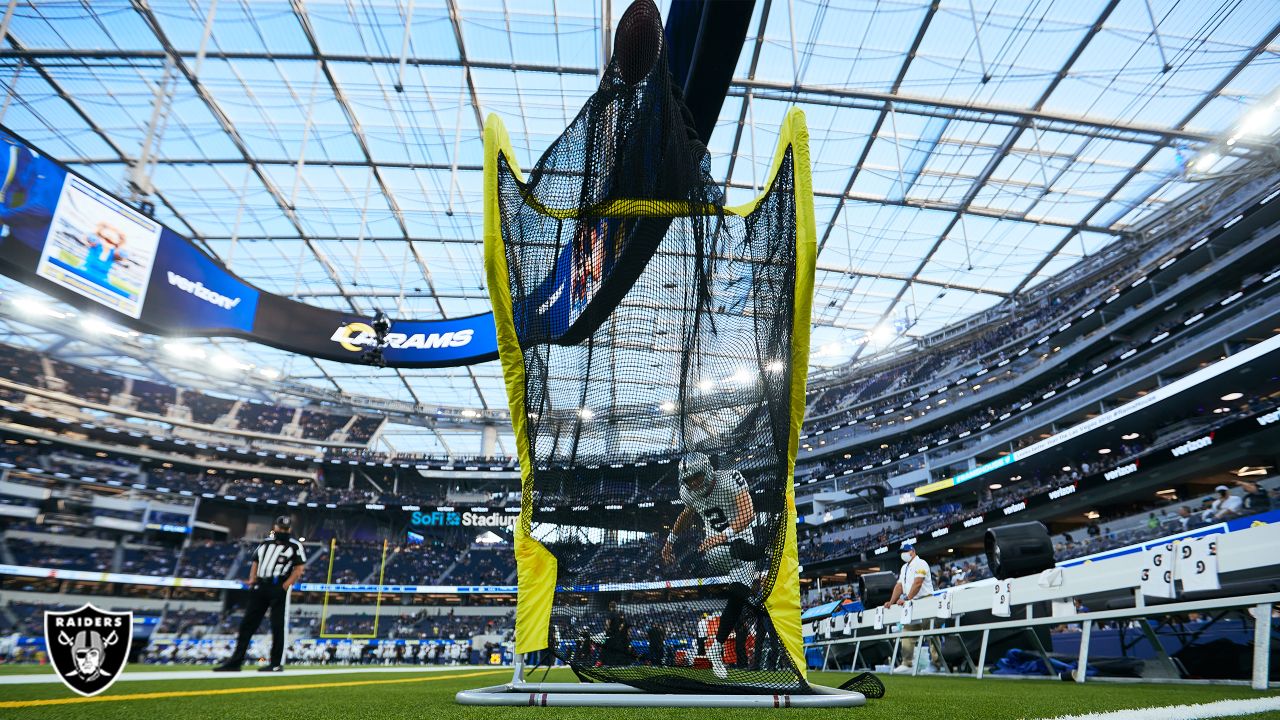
[(328, 583)]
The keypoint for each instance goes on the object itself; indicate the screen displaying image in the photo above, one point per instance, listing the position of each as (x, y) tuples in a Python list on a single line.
[(100, 248)]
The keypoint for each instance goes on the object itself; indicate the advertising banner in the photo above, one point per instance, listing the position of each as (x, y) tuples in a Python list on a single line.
[(67, 237)]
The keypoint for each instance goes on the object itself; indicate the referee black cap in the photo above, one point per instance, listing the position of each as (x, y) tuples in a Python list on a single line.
[(283, 522)]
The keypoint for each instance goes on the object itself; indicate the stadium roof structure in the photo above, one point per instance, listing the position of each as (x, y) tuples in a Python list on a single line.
[(330, 151)]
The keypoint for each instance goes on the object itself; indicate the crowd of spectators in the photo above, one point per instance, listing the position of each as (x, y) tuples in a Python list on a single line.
[(485, 566), (976, 419), (60, 556), (896, 524), (139, 561), (152, 397), (27, 367), (320, 425), (263, 418), (353, 561), (868, 394), (207, 409), (422, 563), (208, 559)]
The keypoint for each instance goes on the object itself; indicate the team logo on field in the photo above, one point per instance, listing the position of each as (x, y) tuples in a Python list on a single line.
[(88, 647)]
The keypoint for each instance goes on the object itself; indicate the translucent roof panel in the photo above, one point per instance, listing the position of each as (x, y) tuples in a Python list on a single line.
[(963, 151)]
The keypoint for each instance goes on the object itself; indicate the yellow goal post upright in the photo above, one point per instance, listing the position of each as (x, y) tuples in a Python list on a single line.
[(328, 583)]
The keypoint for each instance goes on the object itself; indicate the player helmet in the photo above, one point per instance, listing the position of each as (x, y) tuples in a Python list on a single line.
[(695, 472)]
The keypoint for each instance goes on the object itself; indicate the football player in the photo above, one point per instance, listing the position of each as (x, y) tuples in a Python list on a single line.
[(722, 500)]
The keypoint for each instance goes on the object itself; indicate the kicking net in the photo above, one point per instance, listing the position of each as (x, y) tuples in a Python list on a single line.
[(654, 344)]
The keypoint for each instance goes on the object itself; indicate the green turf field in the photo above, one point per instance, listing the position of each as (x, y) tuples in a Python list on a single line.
[(429, 695)]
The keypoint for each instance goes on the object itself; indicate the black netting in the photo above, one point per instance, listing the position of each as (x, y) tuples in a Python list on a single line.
[(866, 683), (651, 340)]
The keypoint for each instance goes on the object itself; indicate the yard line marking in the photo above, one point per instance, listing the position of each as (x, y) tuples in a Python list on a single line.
[(207, 673), (234, 691), (1221, 708)]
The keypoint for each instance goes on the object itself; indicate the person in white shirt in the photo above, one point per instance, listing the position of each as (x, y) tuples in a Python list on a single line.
[(914, 581), (1226, 506)]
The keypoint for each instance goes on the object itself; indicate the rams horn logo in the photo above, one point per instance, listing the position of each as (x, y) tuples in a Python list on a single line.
[(88, 647), (356, 336), (347, 333)]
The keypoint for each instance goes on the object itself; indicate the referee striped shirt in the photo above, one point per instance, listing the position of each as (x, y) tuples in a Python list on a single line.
[(276, 559)]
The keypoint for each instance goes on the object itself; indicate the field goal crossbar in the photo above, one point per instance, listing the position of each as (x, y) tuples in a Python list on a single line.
[(520, 693)]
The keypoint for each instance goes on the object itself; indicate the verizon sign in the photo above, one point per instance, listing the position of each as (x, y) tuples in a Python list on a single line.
[(1191, 446), (1120, 472)]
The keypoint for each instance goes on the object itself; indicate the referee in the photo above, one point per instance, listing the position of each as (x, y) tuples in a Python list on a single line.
[(277, 564)]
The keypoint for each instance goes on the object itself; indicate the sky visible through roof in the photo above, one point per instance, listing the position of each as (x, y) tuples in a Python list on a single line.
[(963, 151)]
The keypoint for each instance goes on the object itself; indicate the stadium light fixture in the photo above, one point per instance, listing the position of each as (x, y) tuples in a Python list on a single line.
[(995, 486), (586, 413), (1206, 161), (1104, 451), (1129, 436), (184, 351), (705, 385), (1232, 396), (881, 335), (98, 326), (1258, 121), (667, 406), (226, 361), (1248, 471), (269, 373), (776, 366), (743, 376), (34, 307), (1066, 468)]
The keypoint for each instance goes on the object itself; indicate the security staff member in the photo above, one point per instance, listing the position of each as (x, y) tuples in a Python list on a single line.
[(915, 580), (277, 565)]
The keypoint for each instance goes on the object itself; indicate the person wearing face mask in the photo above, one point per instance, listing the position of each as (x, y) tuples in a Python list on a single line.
[(277, 564), (914, 581)]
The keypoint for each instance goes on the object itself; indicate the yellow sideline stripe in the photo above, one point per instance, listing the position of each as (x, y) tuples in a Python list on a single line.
[(233, 691)]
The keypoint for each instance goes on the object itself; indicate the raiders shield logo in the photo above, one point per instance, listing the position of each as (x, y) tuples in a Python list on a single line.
[(88, 647)]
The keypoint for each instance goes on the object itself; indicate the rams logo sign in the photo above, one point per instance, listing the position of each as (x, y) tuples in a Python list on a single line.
[(357, 335)]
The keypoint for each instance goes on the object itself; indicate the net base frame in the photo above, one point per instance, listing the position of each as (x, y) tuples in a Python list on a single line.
[(519, 693)]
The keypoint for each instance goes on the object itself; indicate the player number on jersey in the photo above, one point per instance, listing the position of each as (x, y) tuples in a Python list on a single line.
[(716, 519)]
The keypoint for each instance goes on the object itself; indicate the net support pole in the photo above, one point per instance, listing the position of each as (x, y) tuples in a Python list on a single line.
[(517, 667)]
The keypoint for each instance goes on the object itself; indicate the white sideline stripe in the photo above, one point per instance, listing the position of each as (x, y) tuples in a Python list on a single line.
[(249, 671), (1221, 708)]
